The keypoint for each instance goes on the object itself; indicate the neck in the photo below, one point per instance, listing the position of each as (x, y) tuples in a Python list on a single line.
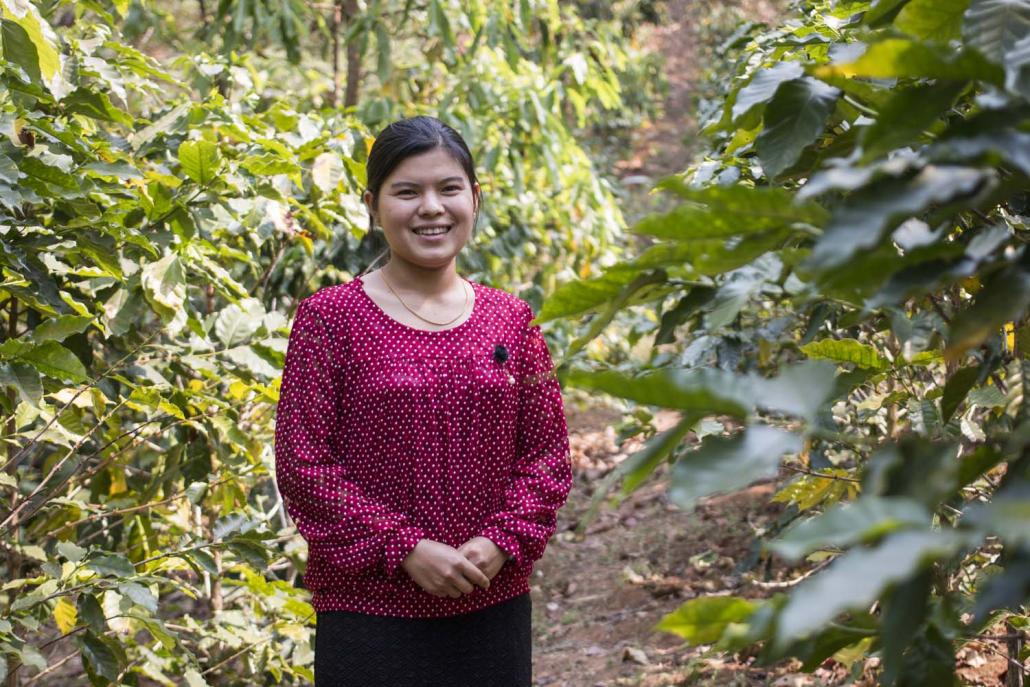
[(406, 276)]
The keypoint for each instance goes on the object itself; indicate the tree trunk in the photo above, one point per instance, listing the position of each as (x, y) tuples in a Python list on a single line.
[(350, 98)]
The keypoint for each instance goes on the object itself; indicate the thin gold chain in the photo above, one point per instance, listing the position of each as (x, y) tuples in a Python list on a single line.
[(466, 305)]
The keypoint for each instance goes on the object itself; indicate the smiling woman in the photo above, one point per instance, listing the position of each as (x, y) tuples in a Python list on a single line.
[(421, 445)]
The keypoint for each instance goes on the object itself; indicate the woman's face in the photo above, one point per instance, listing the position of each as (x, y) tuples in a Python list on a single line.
[(428, 191)]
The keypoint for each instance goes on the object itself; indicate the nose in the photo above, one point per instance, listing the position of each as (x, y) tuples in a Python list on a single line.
[(430, 204)]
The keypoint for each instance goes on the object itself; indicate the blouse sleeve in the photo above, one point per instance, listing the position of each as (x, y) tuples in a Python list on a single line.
[(541, 477), (349, 530)]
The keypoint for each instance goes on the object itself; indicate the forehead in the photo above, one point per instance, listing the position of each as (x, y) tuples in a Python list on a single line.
[(427, 167)]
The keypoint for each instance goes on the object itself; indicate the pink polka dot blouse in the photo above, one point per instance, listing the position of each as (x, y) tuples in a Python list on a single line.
[(386, 434)]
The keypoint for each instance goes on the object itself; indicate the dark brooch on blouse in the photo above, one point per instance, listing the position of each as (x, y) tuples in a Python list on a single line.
[(501, 357)]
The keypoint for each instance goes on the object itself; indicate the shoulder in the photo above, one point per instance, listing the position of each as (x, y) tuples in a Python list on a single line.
[(506, 306), (328, 308)]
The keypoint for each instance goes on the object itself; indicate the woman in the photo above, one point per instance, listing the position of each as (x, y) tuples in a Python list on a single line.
[(421, 446)]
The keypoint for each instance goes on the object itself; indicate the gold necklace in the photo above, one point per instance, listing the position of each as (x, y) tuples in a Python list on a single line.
[(383, 275)]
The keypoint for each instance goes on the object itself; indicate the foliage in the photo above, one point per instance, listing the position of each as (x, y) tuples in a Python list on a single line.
[(863, 208), (158, 223)]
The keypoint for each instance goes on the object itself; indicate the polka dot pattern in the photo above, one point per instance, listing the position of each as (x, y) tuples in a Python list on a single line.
[(387, 434)]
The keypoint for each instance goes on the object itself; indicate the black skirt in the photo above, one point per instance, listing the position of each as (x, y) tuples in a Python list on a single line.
[(491, 646)]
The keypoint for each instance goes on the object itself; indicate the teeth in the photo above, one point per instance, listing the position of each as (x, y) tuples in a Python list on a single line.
[(432, 231)]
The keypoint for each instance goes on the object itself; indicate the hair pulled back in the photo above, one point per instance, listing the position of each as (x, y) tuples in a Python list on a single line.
[(405, 138)]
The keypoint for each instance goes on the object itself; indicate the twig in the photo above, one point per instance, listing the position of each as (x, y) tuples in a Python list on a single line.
[(823, 475)]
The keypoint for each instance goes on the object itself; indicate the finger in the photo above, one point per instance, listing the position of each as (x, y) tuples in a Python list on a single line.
[(476, 575)]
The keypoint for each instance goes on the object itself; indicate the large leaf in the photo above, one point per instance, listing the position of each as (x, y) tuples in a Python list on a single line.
[(846, 351), (858, 577), (723, 464), (864, 219), (54, 360), (899, 57), (719, 212), (798, 390), (703, 620), (46, 61), (200, 160), (862, 521), (164, 283), (763, 86), (935, 20), (237, 322), (707, 391), (1017, 68), (994, 26), (907, 115), (1004, 298), (794, 119)]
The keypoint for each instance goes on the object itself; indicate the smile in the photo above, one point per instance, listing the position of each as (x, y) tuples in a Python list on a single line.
[(433, 230)]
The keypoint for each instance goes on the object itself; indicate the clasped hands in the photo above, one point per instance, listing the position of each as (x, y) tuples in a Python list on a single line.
[(443, 570)]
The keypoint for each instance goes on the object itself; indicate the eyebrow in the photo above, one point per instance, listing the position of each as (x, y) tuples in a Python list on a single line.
[(448, 180)]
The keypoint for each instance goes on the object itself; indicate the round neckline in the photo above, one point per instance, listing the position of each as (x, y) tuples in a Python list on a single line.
[(382, 313)]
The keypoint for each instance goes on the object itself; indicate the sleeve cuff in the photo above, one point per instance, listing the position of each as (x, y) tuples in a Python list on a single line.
[(401, 543), (505, 542)]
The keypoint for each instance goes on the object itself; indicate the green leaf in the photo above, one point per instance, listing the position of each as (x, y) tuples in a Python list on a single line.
[(139, 595), (703, 390), (638, 466), (200, 160), (60, 328), (112, 564), (327, 171), (905, 611), (994, 26), (793, 120), (1017, 68), (237, 322), (883, 11), (91, 612), (906, 115), (721, 212), (576, 297), (265, 165), (25, 379), (863, 521), (899, 57), (862, 221), (935, 20), (723, 464), (846, 351), (95, 105), (34, 167), (763, 86), (164, 283), (955, 390), (1004, 298), (855, 579), (1006, 516), (99, 655), (47, 59), (703, 620), (54, 360)]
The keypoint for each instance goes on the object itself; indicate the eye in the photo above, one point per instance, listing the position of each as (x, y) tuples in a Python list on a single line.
[(452, 188), (405, 192)]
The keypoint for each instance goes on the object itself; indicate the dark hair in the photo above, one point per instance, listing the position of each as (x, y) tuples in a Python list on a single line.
[(405, 138)]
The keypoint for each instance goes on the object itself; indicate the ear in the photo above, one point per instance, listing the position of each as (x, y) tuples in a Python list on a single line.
[(477, 196), (369, 203)]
